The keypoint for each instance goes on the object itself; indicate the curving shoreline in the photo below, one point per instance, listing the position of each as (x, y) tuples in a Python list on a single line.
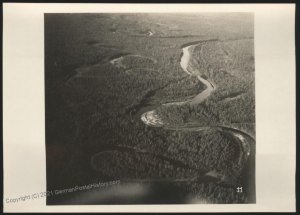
[(151, 118), (245, 140)]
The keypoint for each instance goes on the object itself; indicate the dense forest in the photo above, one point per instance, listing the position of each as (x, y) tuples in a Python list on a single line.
[(102, 71)]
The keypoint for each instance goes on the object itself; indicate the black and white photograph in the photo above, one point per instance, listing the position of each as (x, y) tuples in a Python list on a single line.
[(147, 107), (157, 108)]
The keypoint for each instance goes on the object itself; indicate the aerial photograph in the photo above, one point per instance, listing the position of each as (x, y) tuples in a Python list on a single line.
[(149, 108)]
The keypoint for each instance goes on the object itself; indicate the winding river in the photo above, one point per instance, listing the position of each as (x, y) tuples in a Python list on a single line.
[(245, 140), (152, 119)]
